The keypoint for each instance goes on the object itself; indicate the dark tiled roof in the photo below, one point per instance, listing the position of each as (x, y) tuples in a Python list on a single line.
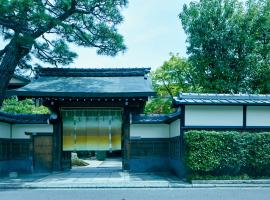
[(93, 72), (21, 78), (222, 99), (154, 118), (56, 82), (23, 118)]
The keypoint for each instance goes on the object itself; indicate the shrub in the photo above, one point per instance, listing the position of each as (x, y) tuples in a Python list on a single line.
[(258, 157), (227, 153), (101, 155), (27, 106)]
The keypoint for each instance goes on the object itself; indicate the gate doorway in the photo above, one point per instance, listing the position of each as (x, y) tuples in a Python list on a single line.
[(93, 134), (42, 153)]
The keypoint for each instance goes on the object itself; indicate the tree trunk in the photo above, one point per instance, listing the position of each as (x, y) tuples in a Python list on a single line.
[(14, 53)]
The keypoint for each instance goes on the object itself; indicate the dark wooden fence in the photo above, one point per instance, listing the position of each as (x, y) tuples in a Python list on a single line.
[(15, 149)]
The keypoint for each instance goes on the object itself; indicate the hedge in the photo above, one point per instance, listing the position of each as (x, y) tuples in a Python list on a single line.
[(227, 153)]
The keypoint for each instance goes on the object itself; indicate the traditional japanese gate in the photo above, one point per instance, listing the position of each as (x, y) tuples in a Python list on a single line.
[(92, 129), (91, 108)]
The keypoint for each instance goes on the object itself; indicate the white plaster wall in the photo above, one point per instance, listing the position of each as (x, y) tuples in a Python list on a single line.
[(213, 115), (4, 130), (175, 128), (18, 130), (258, 115), (150, 130)]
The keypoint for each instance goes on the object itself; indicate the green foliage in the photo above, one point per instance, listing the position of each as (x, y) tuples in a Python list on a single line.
[(174, 76), (159, 105), (228, 44), (47, 28), (258, 156), (26, 106), (101, 155), (227, 153)]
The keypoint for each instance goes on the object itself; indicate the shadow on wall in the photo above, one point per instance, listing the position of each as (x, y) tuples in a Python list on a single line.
[(21, 166)]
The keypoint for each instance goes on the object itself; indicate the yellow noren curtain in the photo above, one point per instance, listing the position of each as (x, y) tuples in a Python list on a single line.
[(92, 129)]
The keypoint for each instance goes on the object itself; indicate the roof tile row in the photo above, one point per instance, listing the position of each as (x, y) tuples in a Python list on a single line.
[(24, 118), (199, 98)]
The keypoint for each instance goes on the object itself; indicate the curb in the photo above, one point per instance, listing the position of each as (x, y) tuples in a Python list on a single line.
[(126, 185), (230, 185), (93, 186), (259, 181)]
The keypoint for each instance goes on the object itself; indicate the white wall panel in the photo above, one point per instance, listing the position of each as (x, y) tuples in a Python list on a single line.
[(258, 115), (175, 128), (208, 115), (4, 130), (18, 130), (150, 130)]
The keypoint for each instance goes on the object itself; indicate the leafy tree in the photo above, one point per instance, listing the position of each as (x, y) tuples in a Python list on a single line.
[(26, 106), (174, 76), (43, 29), (228, 44), (158, 105), (260, 15)]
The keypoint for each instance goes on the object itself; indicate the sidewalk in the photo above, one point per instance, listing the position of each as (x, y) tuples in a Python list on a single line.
[(99, 174), (116, 180), (110, 175), (94, 180)]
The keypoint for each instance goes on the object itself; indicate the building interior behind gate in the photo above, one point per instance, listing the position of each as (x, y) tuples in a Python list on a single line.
[(93, 134)]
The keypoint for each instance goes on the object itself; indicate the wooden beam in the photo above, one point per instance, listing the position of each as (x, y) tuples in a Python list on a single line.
[(182, 132), (126, 139), (244, 116)]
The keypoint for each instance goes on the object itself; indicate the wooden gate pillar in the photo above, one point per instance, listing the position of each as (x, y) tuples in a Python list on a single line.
[(126, 139), (55, 119), (57, 145)]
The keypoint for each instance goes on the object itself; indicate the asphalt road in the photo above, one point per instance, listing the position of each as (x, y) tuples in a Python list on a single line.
[(139, 194)]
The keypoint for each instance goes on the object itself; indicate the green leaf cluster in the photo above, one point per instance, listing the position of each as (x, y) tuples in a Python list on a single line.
[(47, 28), (158, 105), (229, 44), (26, 106), (227, 153), (174, 76)]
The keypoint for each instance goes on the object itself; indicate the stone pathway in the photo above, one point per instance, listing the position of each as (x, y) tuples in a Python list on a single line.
[(98, 174), (109, 174)]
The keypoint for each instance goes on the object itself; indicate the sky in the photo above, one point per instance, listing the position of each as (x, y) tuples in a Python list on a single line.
[(151, 30)]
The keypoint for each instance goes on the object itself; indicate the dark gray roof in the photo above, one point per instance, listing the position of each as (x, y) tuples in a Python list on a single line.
[(92, 72), (154, 118), (22, 81), (81, 84), (21, 78), (23, 118), (221, 99)]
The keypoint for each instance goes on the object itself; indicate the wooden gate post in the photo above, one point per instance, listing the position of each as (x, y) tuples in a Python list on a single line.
[(55, 119), (126, 139), (57, 144)]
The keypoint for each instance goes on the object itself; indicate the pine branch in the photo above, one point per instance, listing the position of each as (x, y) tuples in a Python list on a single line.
[(51, 24), (15, 26), (3, 51)]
